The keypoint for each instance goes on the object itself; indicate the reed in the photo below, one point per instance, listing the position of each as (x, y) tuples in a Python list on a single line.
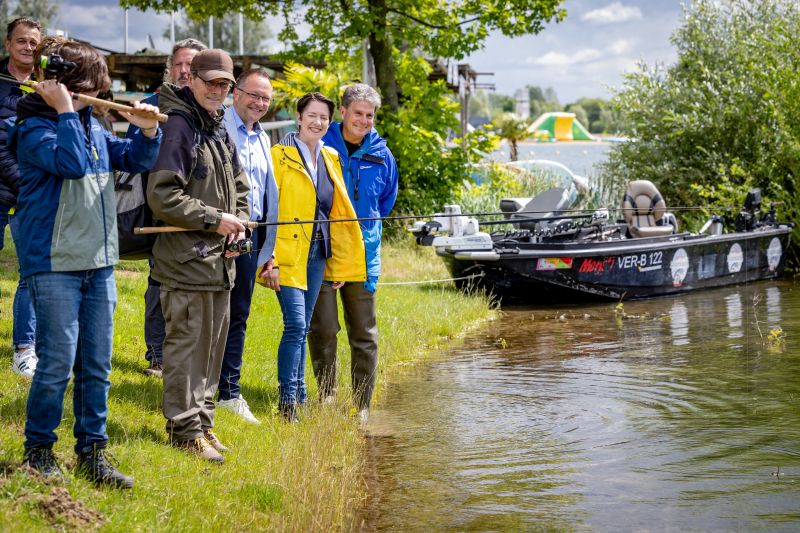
[(278, 477)]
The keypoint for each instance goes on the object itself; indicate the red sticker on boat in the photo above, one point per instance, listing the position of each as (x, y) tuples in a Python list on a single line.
[(553, 263)]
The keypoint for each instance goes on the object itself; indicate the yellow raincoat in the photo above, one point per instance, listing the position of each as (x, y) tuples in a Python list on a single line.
[(297, 200)]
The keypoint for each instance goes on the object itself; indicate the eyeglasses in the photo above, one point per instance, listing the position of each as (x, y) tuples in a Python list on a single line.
[(221, 85), (256, 97)]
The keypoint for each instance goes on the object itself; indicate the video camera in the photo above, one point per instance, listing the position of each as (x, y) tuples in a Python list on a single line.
[(55, 66)]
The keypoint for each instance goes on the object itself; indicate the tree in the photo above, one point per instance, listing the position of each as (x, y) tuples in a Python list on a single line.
[(417, 117), (513, 128), (487, 105), (580, 113), (41, 10), (723, 118), (436, 28), (542, 100), (226, 32)]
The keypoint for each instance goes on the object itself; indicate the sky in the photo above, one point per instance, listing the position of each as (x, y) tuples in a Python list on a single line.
[(586, 55)]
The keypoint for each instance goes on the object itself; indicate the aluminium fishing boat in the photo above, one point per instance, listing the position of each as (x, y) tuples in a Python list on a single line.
[(556, 255)]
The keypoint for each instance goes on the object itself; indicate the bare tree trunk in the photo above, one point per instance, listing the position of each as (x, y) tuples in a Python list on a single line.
[(381, 50), (514, 150)]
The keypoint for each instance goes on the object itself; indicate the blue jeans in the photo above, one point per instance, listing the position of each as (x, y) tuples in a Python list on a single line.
[(24, 330), (241, 296), (74, 331), (297, 306)]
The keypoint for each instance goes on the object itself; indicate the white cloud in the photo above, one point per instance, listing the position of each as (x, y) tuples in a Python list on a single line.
[(559, 59), (613, 13), (620, 46)]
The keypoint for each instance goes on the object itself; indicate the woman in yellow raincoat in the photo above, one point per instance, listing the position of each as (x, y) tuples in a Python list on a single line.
[(310, 188)]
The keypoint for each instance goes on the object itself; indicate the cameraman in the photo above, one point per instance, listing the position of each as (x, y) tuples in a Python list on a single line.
[(66, 205)]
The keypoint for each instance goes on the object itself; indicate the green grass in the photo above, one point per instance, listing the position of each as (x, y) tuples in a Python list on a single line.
[(279, 477)]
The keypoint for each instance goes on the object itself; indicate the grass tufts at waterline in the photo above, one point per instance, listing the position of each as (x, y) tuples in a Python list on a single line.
[(277, 477)]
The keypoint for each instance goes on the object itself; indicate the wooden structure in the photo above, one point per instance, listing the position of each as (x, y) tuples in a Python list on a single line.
[(145, 72)]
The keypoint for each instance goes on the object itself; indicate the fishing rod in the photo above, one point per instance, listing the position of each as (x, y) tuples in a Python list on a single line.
[(161, 117), (581, 213)]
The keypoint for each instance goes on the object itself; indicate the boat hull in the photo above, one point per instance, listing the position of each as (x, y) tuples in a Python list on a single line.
[(626, 269)]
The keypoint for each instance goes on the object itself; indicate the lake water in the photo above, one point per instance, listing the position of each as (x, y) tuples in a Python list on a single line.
[(580, 157), (684, 415)]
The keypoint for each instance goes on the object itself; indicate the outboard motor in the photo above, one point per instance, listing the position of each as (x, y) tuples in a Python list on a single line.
[(747, 219)]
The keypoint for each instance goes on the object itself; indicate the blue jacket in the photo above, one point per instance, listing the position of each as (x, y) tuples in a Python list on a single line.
[(370, 175), (66, 189)]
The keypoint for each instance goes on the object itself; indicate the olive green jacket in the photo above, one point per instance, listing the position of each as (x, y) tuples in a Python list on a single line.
[(197, 177)]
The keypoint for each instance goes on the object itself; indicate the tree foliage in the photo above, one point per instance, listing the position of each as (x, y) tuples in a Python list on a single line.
[(437, 28), (723, 118), (226, 32), (44, 11), (417, 116), (486, 105), (431, 167), (596, 114)]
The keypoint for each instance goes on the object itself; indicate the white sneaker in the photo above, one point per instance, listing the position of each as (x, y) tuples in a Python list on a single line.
[(330, 399), (239, 406), (363, 417), (25, 361)]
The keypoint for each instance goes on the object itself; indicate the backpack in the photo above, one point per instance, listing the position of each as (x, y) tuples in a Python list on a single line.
[(133, 212)]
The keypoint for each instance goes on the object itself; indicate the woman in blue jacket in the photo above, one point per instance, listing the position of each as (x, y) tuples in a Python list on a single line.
[(66, 205)]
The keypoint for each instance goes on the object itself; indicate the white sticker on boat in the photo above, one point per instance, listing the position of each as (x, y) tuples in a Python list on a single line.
[(774, 253), (679, 267), (735, 258)]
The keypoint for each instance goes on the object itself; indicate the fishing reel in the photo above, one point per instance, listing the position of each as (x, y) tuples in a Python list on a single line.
[(55, 66), (244, 246)]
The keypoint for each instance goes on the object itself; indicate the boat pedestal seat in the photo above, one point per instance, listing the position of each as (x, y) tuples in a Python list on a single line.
[(645, 211), (550, 203)]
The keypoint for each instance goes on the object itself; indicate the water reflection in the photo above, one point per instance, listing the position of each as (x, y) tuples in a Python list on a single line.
[(733, 306), (773, 306), (679, 323), (571, 419)]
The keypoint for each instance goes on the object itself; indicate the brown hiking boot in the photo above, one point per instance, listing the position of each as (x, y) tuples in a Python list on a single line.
[(201, 448), (212, 439)]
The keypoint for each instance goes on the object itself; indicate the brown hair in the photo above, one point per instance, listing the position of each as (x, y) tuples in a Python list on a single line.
[(22, 21), (258, 71), (91, 73), (314, 97)]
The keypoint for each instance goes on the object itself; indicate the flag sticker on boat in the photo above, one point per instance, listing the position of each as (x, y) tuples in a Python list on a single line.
[(735, 258), (553, 263), (774, 253), (679, 267)]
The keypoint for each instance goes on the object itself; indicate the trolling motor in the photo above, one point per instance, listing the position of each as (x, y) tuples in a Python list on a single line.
[(462, 232)]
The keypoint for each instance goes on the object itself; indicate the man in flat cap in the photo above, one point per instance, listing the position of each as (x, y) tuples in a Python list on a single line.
[(197, 183)]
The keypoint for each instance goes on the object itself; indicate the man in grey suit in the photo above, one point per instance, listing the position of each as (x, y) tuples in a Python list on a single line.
[(252, 95)]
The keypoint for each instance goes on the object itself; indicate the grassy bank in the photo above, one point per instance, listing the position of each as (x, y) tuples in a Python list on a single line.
[(277, 477)]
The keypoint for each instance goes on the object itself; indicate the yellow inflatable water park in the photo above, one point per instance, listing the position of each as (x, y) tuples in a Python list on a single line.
[(559, 126)]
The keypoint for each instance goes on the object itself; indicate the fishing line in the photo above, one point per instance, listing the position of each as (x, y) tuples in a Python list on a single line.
[(517, 218)]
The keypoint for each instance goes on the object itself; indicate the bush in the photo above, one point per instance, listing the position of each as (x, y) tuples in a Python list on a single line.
[(723, 119), (431, 167)]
